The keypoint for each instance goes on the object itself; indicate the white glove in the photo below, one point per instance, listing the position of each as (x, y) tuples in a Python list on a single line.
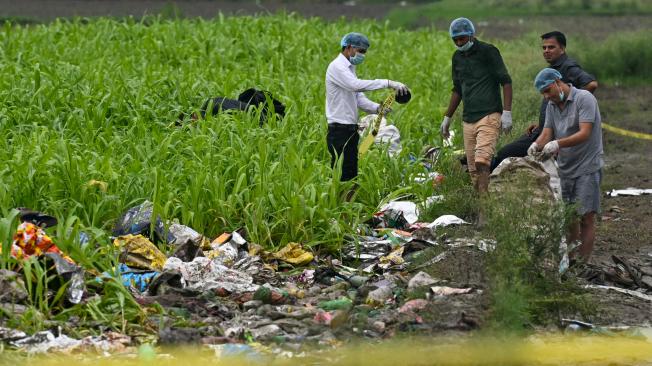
[(533, 149), (506, 121), (399, 87), (551, 148), (444, 127), (388, 110)]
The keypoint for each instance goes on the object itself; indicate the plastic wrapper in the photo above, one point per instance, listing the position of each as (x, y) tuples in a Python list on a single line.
[(446, 220), (294, 254), (31, 240), (628, 192), (138, 279), (204, 274), (395, 258), (37, 218), (138, 221), (421, 279), (182, 234), (407, 208), (447, 291), (369, 248), (139, 252)]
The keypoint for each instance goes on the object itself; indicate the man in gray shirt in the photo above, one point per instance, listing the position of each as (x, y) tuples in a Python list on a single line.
[(573, 131), (554, 52)]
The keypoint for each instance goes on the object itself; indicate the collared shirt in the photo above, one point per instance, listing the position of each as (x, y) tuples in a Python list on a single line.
[(477, 76), (571, 73), (585, 158), (344, 92)]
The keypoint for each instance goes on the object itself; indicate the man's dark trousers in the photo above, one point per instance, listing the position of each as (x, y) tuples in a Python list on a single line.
[(516, 148), (342, 140)]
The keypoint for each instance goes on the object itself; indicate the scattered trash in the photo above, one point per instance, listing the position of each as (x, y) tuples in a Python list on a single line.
[(421, 279), (446, 220), (433, 177), (338, 304), (138, 279), (413, 306), (395, 258), (12, 287), (31, 240), (387, 134), (628, 192), (182, 234), (138, 220), (379, 296), (446, 291), (633, 293), (37, 218), (407, 208), (139, 252), (204, 274), (293, 253)]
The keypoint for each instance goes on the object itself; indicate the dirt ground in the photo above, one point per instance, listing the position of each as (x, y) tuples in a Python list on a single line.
[(45, 10)]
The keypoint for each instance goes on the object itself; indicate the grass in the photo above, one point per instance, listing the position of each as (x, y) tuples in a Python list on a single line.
[(451, 9), (623, 58)]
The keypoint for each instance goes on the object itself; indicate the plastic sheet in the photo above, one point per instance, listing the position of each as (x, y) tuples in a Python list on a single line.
[(139, 252), (294, 254)]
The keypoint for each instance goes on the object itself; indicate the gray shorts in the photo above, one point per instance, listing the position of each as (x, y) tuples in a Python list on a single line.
[(583, 191)]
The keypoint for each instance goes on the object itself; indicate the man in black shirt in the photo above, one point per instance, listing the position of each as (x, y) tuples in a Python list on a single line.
[(554, 52)]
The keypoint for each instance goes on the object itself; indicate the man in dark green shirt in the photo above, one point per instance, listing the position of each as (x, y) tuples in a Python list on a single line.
[(478, 72)]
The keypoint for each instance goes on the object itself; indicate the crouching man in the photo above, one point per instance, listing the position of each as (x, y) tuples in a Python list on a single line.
[(573, 131)]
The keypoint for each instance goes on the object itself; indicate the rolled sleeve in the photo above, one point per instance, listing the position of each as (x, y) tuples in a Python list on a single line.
[(578, 77)]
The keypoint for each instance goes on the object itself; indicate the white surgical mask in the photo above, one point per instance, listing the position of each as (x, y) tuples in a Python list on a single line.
[(465, 47), (561, 93)]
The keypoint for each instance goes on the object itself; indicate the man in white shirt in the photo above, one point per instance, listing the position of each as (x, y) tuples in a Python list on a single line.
[(344, 95)]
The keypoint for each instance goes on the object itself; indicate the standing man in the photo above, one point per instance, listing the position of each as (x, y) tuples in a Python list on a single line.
[(478, 72), (573, 131), (554, 52), (344, 95)]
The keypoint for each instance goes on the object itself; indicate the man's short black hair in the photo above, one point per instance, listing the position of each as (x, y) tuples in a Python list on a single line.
[(559, 36)]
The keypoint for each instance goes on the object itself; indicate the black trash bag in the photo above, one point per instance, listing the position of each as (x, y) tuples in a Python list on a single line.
[(246, 99), (188, 251), (137, 220), (37, 218), (222, 104), (256, 97)]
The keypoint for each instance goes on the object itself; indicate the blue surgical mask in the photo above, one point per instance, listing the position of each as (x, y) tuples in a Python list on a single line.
[(465, 47), (357, 59)]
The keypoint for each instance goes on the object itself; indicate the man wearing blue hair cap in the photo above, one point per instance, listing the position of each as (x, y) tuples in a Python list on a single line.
[(573, 131), (478, 72), (344, 95)]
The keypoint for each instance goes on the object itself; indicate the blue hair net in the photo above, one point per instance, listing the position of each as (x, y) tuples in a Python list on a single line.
[(461, 27), (546, 77), (356, 40)]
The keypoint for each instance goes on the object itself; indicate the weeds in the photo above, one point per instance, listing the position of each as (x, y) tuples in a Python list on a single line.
[(524, 267)]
